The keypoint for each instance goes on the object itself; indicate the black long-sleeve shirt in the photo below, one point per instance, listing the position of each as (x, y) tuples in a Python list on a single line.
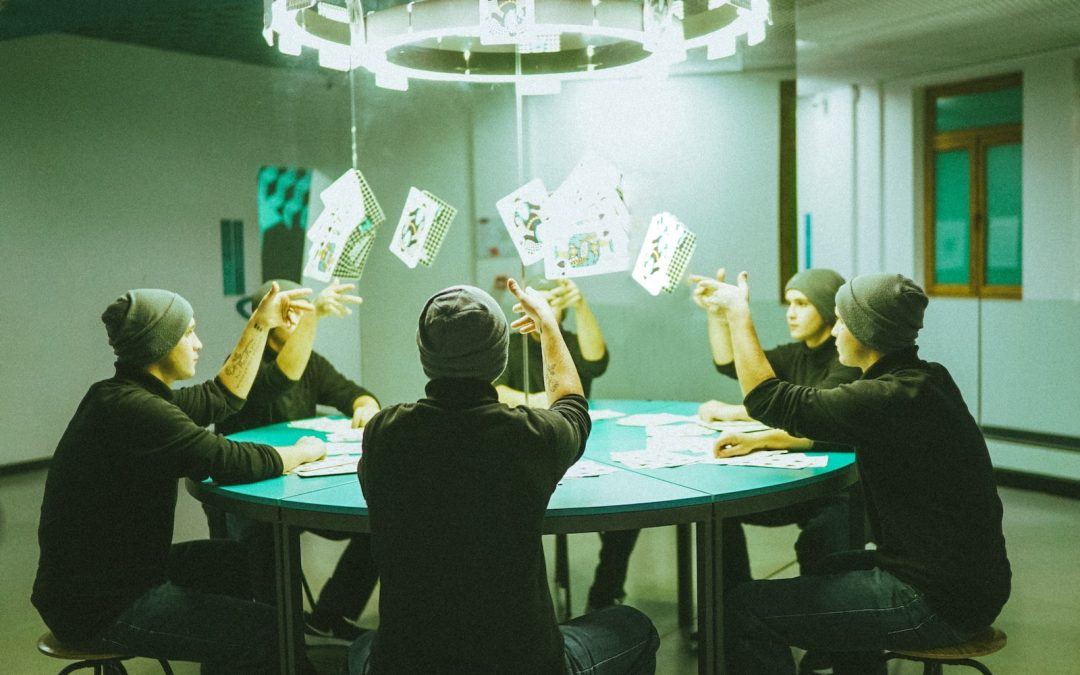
[(110, 497), (926, 472), (457, 485), (819, 367), (276, 398)]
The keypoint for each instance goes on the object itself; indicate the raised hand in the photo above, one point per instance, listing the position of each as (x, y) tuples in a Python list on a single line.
[(721, 297), (698, 291), (283, 308), (565, 295), (538, 315), (334, 299)]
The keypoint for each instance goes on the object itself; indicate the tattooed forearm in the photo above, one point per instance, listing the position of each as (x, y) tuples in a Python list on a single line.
[(240, 358)]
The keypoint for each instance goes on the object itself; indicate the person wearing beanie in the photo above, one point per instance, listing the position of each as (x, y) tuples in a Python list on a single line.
[(591, 357), (939, 573), (809, 360), (293, 380), (456, 486), (108, 579), (586, 344)]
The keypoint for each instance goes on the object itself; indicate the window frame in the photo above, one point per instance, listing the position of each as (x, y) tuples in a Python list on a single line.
[(976, 141)]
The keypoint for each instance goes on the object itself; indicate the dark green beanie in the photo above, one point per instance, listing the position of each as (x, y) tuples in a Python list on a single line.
[(145, 324), (883, 311), (260, 293), (819, 285)]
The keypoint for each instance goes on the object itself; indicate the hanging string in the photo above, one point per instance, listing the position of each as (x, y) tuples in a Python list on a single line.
[(518, 110)]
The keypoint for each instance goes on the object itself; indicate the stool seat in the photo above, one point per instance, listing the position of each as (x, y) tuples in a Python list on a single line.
[(986, 642), (49, 645)]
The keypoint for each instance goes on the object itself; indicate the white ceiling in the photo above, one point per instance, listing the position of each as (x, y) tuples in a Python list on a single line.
[(890, 39)]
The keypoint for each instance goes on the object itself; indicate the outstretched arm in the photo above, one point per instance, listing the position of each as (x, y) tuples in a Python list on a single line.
[(560, 375), (590, 337), (733, 302), (719, 332), (278, 308), (333, 300)]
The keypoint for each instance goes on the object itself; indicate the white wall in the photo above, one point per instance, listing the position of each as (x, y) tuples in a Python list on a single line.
[(117, 165), (702, 147), (1014, 360)]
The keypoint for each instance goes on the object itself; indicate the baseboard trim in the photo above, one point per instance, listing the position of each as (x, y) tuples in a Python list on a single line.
[(25, 467), (1038, 438), (1052, 485)]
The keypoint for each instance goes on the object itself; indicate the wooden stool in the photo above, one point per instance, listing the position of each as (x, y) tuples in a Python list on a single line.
[(102, 663), (963, 654)]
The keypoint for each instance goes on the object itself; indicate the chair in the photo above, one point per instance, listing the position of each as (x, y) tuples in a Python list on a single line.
[(102, 663), (986, 642)]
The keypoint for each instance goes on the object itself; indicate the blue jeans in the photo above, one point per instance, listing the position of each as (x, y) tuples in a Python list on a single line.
[(616, 640), (854, 615), (200, 614)]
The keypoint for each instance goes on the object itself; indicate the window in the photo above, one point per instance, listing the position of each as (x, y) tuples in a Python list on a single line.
[(973, 210)]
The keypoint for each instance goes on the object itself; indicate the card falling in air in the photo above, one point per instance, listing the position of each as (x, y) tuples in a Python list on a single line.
[(422, 228), (521, 214), (586, 223), (664, 255), (343, 234), (504, 22)]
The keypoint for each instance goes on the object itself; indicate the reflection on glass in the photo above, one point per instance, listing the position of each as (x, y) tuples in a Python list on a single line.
[(984, 109), (1003, 215), (951, 232)]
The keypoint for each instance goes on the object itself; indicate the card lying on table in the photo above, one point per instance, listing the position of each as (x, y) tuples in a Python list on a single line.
[(331, 466)]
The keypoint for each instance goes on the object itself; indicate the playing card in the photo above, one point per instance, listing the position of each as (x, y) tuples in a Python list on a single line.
[(506, 21), (521, 214), (421, 229), (664, 254)]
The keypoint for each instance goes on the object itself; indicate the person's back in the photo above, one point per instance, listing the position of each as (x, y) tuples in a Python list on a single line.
[(457, 484)]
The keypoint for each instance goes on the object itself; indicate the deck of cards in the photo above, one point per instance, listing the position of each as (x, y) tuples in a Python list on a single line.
[(344, 233)]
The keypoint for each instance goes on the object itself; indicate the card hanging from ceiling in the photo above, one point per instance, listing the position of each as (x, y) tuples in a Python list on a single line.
[(422, 228), (665, 254), (505, 22), (344, 233), (521, 214), (586, 223)]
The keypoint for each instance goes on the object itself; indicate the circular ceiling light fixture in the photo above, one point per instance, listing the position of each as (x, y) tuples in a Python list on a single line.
[(518, 41)]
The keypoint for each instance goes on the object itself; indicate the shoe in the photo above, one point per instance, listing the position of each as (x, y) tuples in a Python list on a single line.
[(336, 630), (815, 663)]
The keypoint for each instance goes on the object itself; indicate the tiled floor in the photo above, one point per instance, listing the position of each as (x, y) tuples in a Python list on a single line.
[(1042, 619)]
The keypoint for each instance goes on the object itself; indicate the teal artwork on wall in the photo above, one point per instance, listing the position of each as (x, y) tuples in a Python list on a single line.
[(284, 194)]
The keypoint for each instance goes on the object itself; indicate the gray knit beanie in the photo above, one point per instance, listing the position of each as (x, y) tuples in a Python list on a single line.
[(883, 311), (463, 333), (819, 285), (144, 324)]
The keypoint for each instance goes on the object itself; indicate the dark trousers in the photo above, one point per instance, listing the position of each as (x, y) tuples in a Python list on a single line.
[(204, 612), (347, 590), (825, 530), (852, 615), (612, 641), (610, 576)]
